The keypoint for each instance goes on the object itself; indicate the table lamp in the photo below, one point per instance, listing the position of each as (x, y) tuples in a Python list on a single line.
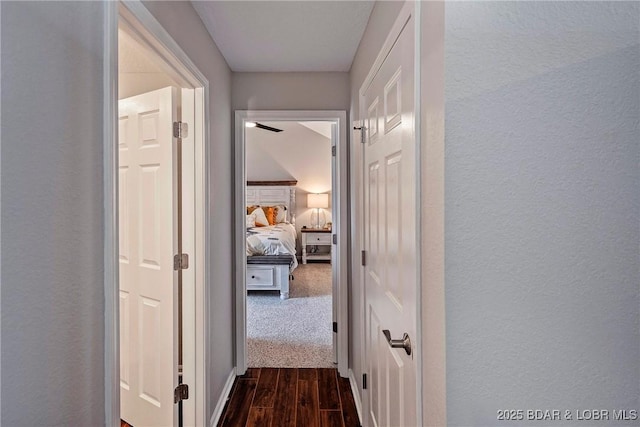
[(317, 201)]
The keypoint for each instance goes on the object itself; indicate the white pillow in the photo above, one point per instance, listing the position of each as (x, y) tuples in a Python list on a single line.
[(281, 215), (260, 218), (251, 221)]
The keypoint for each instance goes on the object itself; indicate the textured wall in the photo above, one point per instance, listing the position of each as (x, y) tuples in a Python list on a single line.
[(290, 91), (52, 221), (542, 204), (186, 28)]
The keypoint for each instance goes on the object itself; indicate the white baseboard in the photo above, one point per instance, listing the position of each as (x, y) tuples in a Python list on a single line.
[(356, 394), (217, 412)]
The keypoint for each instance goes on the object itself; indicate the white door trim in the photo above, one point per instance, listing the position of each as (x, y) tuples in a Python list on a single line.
[(340, 225), (110, 189), (147, 30), (431, 53), (357, 174)]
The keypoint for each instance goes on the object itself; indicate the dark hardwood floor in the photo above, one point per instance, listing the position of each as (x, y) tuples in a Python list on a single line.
[(272, 397)]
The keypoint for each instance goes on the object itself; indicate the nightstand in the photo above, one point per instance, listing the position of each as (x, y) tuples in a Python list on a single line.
[(316, 237)]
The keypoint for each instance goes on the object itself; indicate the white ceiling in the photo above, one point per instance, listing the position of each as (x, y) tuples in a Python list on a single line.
[(280, 36)]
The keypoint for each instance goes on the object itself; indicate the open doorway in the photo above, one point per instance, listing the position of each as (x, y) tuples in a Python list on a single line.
[(291, 287), (288, 166), (156, 200), (150, 233)]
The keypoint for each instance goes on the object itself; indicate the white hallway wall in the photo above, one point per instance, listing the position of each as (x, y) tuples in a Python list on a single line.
[(297, 153), (52, 221), (290, 91), (542, 204)]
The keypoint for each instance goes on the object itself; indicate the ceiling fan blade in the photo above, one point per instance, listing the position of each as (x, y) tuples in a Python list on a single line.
[(265, 127)]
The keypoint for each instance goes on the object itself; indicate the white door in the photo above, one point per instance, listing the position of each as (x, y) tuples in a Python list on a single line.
[(390, 239), (148, 238)]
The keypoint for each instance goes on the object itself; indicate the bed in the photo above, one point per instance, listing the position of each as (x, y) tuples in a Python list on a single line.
[(271, 249)]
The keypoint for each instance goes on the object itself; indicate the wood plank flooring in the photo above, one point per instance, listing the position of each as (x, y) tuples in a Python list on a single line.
[(304, 397)]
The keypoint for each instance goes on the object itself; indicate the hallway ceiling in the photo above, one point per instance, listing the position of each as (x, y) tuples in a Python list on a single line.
[(278, 36)]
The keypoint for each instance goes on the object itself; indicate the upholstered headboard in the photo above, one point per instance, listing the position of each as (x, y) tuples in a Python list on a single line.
[(269, 193)]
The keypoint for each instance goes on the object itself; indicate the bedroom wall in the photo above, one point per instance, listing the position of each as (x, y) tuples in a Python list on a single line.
[(52, 296), (290, 91), (182, 22), (296, 153), (381, 20), (542, 206)]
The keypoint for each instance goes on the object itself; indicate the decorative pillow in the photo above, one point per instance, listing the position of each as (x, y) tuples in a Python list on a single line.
[(281, 214), (251, 221), (260, 218), (270, 213), (252, 208)]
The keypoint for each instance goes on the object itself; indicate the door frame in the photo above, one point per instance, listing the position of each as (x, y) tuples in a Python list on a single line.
[(339, 216), (409, 10), (150, 33)]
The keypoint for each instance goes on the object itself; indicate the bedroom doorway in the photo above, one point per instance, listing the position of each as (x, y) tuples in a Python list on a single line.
[(155, 208), (291, 239)]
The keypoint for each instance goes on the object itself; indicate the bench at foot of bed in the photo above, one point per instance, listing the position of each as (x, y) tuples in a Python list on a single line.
[(269, 273)]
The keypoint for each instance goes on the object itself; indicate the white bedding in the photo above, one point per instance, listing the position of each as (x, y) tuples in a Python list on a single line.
[(279, 239)]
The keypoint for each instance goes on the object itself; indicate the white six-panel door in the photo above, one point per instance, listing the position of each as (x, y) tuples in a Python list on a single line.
[(148, 303), (390, 234)]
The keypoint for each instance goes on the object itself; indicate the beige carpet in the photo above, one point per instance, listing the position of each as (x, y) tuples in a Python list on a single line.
[(293, 333)]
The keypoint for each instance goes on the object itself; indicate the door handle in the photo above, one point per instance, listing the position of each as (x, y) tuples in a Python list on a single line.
[(405, 342)]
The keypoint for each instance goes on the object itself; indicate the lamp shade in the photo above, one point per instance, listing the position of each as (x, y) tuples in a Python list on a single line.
[(318, 200)]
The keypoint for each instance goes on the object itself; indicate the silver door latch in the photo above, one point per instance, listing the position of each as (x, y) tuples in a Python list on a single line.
[(405, 342)]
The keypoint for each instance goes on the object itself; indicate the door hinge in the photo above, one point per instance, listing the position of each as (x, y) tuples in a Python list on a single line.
[(364, 258), (333, 150), (335, 327), (180, 130), (335, 239), (364, 381), (180, 262), (181, 393)]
